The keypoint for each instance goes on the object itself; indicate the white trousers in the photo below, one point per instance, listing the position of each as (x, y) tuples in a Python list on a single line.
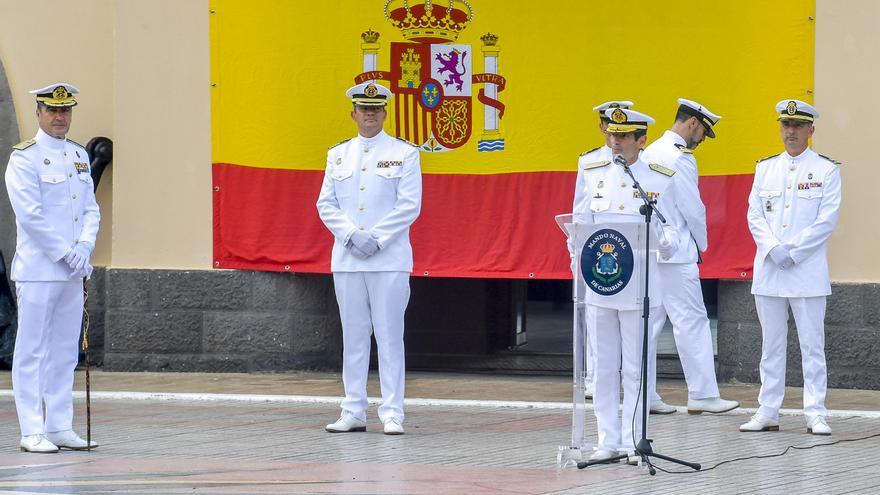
[(372, 302), (809, 317), (46, 354), (683, 303), (618, 355)]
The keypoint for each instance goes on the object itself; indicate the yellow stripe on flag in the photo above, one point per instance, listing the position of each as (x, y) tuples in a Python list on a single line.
[(280, 70)]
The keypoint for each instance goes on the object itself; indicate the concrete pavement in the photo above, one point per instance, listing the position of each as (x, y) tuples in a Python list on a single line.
[(266, 437)]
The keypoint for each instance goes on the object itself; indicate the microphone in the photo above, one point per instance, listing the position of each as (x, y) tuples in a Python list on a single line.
[(620, 160)]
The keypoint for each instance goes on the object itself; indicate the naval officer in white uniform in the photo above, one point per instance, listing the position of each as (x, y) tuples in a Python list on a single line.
[(618, 324), (371, 194), (581, 205), (682, 293), (793, 209), (56, 216)]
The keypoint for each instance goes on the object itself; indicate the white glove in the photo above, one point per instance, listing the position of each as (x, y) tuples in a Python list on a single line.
[(357, 253), (363, 241), (781, 256), (78, 256), (85, 271), (667, 248)]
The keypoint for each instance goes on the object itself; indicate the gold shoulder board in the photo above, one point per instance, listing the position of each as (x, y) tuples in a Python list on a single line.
[(683, 148), (596, 164), (587, 152), (340, 142), (407, 142), (767, 158), (832, 160), (25, 144), (668, 172), (74, 142)]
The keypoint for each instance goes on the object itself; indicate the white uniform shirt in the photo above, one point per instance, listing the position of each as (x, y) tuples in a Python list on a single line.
[(686, 214), (54, 203), (372, 184), (794, 202), (610, 198)]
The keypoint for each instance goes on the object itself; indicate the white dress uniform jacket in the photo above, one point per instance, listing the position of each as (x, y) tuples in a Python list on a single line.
[(373, 184), (686, 215), (54, 202), (794, 202), (609, 197)]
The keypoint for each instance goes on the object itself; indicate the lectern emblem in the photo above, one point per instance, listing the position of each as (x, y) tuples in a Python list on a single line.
[(607, 262)]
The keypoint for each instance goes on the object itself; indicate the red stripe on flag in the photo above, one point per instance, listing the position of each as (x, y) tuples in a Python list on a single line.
[(476, 226), (731, 250)]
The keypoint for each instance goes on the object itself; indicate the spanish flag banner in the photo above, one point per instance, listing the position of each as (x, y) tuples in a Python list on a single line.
[(497, 94)]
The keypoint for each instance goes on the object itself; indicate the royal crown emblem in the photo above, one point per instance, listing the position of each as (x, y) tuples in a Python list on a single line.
[(371, 90), (618, 116), (607, 247), (429, 22), (791, 109), (432, 76)]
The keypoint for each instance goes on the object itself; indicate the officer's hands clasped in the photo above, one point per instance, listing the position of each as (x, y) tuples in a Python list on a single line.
[(364, 244), (781, 256), (78, 260)]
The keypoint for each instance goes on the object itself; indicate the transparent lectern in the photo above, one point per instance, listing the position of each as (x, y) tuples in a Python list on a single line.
[(612, 255)]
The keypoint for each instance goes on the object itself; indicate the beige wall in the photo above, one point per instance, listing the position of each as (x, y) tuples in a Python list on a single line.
[(78, 51), (144, 71), (847, 78), (162, 182)]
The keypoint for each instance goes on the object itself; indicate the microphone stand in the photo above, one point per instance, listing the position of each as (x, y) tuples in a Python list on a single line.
[(643, 448)]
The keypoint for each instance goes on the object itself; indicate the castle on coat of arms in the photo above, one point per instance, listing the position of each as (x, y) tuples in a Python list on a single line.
[(431, 76)]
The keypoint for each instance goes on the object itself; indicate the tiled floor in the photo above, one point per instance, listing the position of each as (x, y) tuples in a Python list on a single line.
[(275, 446)]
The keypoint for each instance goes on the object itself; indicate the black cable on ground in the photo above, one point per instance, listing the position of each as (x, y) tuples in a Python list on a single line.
[(767, 456)]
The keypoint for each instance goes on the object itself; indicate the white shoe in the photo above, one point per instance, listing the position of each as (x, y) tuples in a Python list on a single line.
[(660, 407), (711, 405), (346, 423), (393, 426), (818, 426), (588, 391), (603, 454), (69, 440), (760, 423), (37, 444)]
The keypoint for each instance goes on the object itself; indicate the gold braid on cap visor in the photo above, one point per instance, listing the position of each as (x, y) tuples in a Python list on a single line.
[(625, 128), (369, 102), (50, 101), (805, 118)]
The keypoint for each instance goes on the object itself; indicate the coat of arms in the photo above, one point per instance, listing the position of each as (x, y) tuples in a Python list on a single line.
[(606, 268), (432, 76)]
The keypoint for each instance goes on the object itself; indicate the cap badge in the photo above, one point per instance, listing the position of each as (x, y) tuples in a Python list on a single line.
[(791, 109), (618, 116), (371, 90), (60, 93)]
